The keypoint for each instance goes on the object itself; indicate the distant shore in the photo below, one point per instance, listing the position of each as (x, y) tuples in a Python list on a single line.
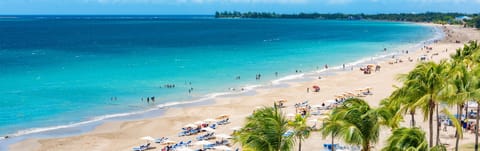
[(125, 135)]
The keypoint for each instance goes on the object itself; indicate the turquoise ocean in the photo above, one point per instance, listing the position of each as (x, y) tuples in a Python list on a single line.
[(58, 72)]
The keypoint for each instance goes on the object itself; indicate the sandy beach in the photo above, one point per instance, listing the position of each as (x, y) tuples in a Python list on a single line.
[(123, 136)]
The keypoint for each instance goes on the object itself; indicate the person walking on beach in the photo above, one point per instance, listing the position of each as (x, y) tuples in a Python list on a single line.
[(343, 66), (308, 90)]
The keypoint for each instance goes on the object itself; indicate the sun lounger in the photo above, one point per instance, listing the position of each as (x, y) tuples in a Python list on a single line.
[(213, 126), (161, 140), (187, 144), (142, 147)]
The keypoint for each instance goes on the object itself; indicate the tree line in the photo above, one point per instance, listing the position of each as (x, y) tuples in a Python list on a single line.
[(434, 17)]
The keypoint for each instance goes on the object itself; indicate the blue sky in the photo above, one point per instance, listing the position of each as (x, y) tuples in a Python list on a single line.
[(210, 6)]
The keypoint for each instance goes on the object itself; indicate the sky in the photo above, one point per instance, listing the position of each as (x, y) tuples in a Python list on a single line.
[(208, 7)]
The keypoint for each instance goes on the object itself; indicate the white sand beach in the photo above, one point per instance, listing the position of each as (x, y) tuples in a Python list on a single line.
[(123, 136)]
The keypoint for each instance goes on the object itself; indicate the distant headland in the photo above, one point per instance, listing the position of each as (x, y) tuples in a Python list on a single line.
[(468, 20)]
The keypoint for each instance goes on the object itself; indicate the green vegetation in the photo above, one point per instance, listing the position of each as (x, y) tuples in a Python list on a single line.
[(440, 18), (301, 130), (412, 139), (430, 88), (355, 122), (264, 131)]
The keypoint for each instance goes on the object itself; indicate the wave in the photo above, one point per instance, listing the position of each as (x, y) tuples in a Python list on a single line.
[(287, 78), (210, 96)]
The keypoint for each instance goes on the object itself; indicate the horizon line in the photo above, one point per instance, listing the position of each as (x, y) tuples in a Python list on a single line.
[(213, 14)]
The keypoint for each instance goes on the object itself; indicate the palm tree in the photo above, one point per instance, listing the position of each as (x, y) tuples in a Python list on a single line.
[(355, 122), (388, 110), (422, 87), (411, 139), (476, 97), (332, 126), (301, 129), (467, 61), (465, 88), (405, 99), (264, 130)]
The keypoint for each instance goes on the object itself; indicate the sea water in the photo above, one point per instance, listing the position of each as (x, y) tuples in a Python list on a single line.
[(62, 70)]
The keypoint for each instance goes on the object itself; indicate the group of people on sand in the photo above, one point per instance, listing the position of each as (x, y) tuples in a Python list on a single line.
[(368, 69)]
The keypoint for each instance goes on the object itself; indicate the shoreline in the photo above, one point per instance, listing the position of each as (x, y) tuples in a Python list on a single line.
[(95, 118), (102, 128), (249, 88)]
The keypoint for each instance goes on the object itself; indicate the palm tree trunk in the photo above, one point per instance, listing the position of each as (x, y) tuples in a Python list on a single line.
[(476, 128), (366, 146), (300, 145), (459, 118), (430, 123), (438, 125), (413, 118), (333, 147)]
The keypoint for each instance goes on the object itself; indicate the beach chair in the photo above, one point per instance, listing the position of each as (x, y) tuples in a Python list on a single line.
[(210, 146), (188, 143), (199, 138), (182, 134), (213, 126), (142, 147), (161, 140)]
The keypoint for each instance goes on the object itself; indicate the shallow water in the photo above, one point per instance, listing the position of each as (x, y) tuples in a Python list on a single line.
[(62, 70)]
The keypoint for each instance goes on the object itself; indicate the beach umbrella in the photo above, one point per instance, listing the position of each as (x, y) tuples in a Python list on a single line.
[(472, 104), (209, 120), (169, 142), (148, 138), (200, 143), (330, 101), (236, 128), (282, 100), (222, 147), (290, 115), (199, 123), (321, 118), (190, 125), (223, 116), (223, 136), (183, 149), (208, 129)]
